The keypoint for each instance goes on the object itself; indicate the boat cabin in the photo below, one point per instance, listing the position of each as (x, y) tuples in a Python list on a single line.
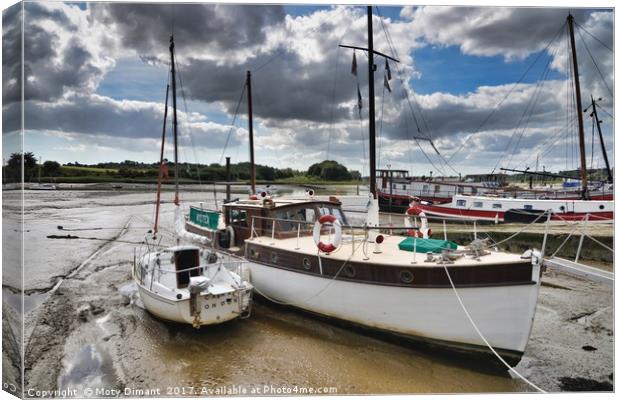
[(185, 258), (281, 218)]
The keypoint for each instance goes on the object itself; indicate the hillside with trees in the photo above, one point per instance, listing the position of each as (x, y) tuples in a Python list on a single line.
[(133, 171)]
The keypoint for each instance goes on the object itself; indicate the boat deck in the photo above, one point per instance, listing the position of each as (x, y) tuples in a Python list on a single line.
[(390, 253)]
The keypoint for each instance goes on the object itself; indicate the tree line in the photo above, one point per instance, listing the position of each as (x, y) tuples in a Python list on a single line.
[(133, 170)]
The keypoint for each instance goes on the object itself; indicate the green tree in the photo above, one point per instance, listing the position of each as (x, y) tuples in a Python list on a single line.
[(51, 168)]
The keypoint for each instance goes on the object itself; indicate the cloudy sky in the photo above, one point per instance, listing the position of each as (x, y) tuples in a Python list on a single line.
[(489, 86)]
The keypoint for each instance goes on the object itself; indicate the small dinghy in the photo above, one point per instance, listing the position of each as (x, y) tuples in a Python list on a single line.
[(185, 284)]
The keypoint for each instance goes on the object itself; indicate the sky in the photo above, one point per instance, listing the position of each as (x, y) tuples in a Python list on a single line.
[(481, 88)]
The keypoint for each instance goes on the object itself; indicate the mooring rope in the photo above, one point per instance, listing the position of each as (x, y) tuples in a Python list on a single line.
[(473, 324)]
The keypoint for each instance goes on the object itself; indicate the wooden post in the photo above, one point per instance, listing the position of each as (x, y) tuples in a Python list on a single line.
[(227, 179)]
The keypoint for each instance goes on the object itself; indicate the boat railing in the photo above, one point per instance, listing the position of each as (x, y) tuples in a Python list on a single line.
[(235, 266)]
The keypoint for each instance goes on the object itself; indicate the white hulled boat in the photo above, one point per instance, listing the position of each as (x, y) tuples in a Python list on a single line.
[(187, 283)]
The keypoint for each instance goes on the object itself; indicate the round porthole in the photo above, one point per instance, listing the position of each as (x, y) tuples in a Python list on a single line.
[(306, 264), (254, 254), (562, 208), (406, 276), (601, 207), (349, 271), (274, 258)]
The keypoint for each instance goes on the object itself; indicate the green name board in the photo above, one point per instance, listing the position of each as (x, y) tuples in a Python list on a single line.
[(204, 218)]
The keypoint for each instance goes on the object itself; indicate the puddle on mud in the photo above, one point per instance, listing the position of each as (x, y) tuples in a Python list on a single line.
[(131, 291), (31, 301), (90, 367)]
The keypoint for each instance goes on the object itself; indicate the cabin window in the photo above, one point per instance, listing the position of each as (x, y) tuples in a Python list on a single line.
[(437, 188), (460, 189), (425, 188), (393, 186), (601, 207), (474, 190), (497, 205), (478, 204), (238, 217), (528, 207), (306, 264), (461, 203), (404, 187), (325, 210), (406, 276)]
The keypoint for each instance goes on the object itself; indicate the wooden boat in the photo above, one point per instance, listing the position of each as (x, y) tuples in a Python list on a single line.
[(184, 283), (304, 253)]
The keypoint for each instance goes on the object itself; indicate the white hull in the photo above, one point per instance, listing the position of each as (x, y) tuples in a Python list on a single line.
[(220, 309), (504, 314)]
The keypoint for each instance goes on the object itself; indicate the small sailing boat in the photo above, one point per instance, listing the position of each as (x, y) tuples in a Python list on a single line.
[(187, 283)]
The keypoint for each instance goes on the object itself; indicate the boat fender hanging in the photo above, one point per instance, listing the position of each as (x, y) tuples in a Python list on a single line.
[(316, 233), (424, 231)]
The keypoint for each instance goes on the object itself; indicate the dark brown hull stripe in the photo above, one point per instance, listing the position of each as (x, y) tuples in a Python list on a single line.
[(391, 275)]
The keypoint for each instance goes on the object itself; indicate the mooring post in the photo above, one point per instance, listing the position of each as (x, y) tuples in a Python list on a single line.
[(227, 179)]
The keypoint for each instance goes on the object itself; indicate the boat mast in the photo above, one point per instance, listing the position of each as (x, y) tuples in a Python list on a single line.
[(161, 164), (594, 114), (174, 116), (582, 141), (371, 106), (251, 129)]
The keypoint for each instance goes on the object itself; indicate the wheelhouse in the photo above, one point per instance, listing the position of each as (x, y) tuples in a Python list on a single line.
[(280, 218)]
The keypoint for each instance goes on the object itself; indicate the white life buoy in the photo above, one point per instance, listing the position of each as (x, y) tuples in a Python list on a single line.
[(424, 231), (316, 233)]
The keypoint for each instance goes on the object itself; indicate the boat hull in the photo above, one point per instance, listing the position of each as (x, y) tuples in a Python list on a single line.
[(504, 314), (213, 309)]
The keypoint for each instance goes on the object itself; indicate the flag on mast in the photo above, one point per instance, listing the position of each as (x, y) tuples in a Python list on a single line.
[(354, 65), (359, 100), (386, 83), (387, 69)]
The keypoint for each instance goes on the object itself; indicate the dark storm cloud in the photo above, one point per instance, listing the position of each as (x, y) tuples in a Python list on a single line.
[(219, 27), (507, 31), (287, 89), (52, 66), (98, 115), (11, 54)]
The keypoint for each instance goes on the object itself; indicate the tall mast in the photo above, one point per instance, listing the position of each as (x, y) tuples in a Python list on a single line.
[(371, 106), (251, 129), (582, 139), (160, 176), (174, 113), (610, 177)]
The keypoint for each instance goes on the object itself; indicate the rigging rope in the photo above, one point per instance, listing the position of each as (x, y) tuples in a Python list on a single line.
[(473, 324), (595, 64), (597, 39), (406, 96), (232, 125), (507, 94)]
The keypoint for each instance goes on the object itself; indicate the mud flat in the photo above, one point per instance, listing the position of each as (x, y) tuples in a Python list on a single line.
[(86, 330)]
